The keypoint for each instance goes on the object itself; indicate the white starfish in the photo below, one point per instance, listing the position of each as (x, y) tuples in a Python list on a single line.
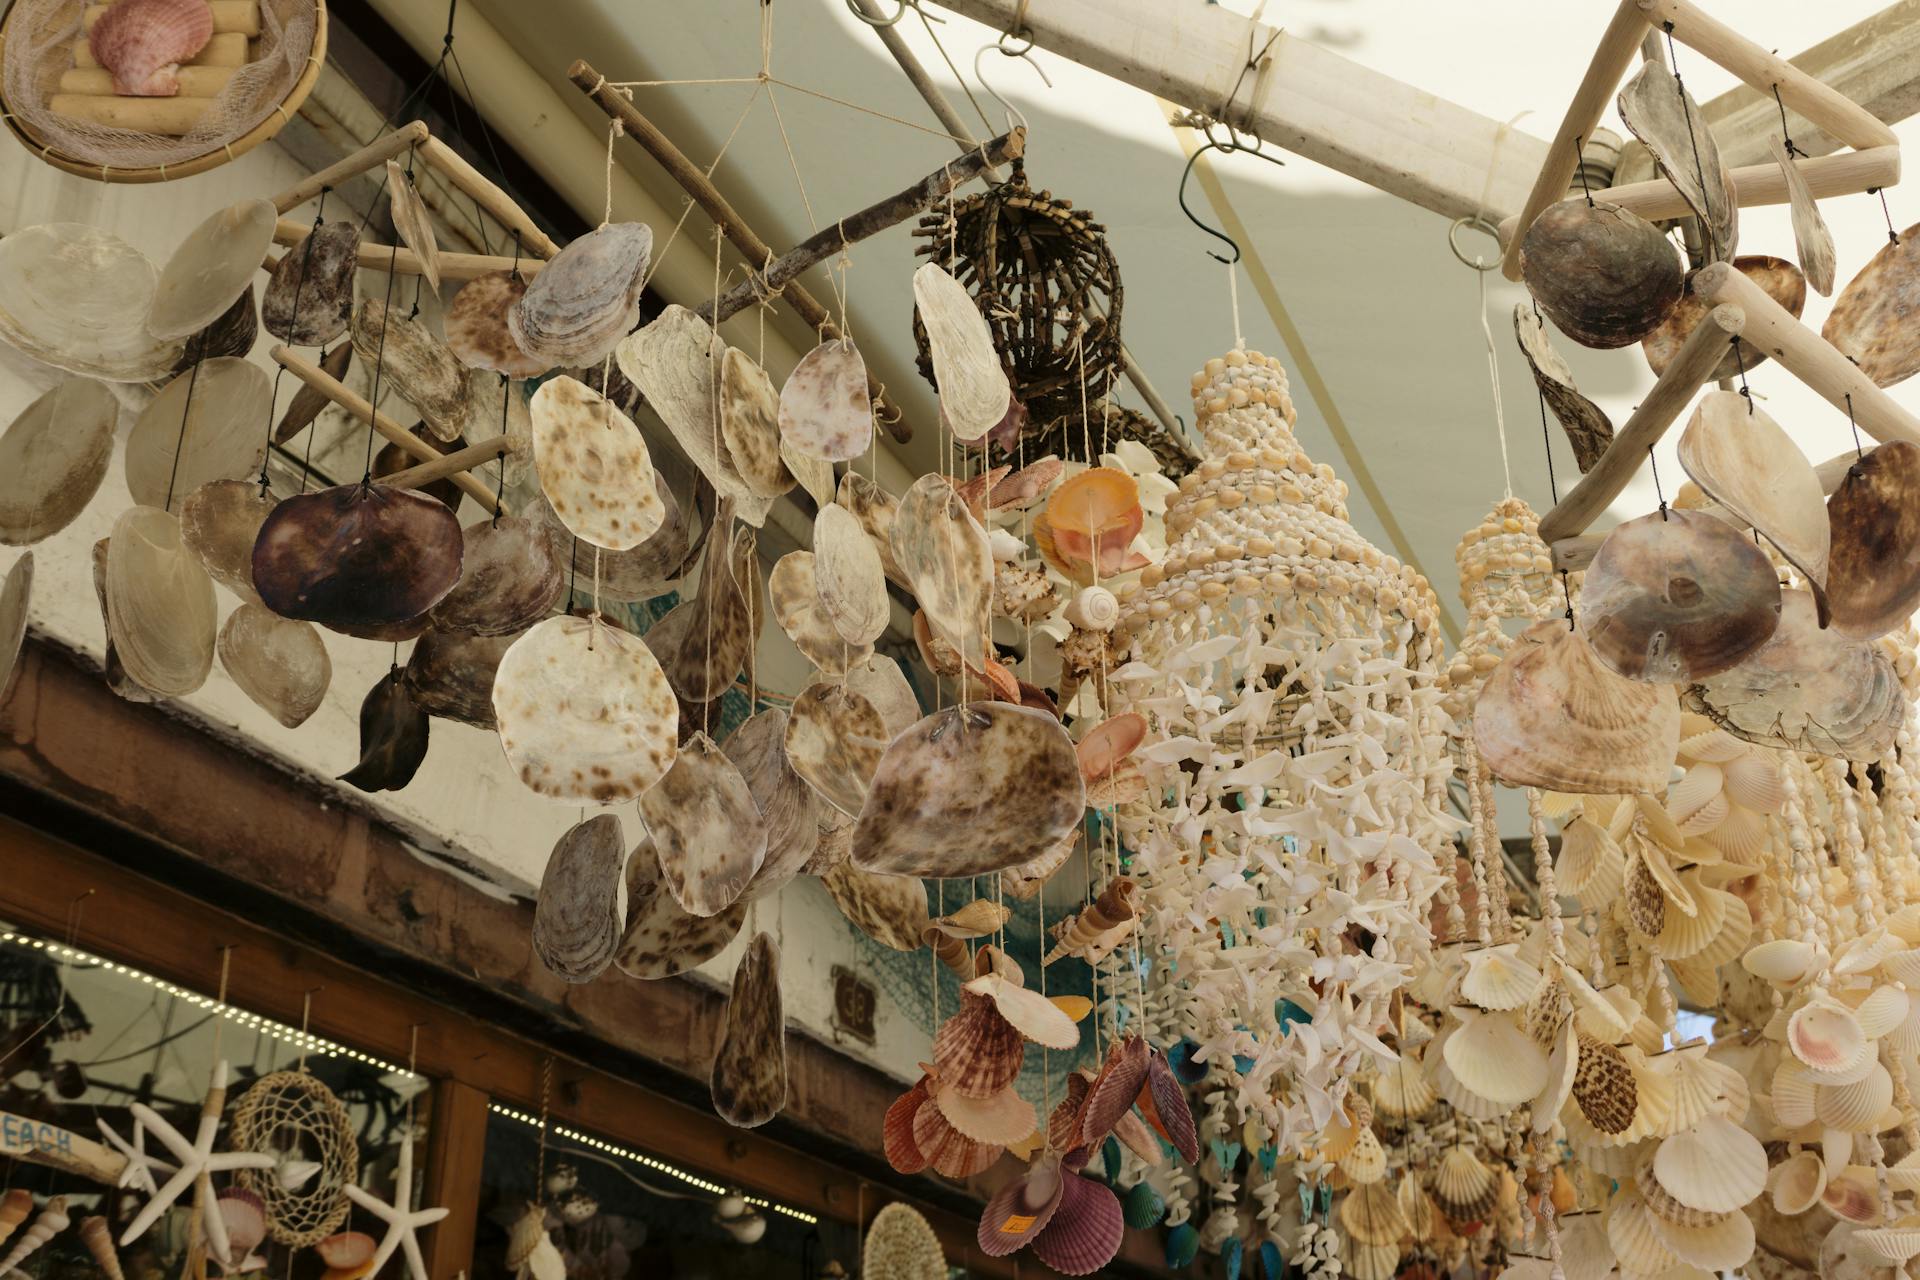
[(198, 1164), (140, 1167), (402, 1219)]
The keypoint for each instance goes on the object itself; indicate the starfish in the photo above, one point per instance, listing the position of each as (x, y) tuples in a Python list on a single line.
[(198, 1164), (402, 1219), (140, 1167)]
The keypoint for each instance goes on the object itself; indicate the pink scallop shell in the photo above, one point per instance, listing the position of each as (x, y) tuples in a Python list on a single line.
[(1122, 1076), (1021, 1210), (1085, 1231), (1164, 1103), (143, 43)]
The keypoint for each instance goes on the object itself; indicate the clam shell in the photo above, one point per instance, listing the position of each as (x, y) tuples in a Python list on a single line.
[(875, 509), (1551, 716), (974, 392), (1746, 463), (393, 737), (1827, 1037), (851, 581), (663, 938), (1753, 781), (211, 267), (825, 412), (750, 425), (309, 297), (346, 1250), (357, 555), (1498, 979), (675, 362), (1662, 114), (308, 404), (16, 595), (1874, 585), (943, 554), (1856, 1107), (1784, 960), (576, 916), (52, 459), (879, 679), (706, 642), (476, 326), (1604, 1087), (1634, 1236), (1605, 276), (1085, 1231), (1870, 320), (1797, 1183), (279, 663), (814, 475), (209, 423), (1022, 1208), (1808, 690), (1032, 1014), (705, 826), (835, 741), (232, 333), (1590, 866), (968, 791), (1776, 277), (122, 684), (1676, 597), (418, 365), (77, 298), (160, 607), (1715, 1166), (413, 223), (585, 712), (510, 578), (750, 1070), (1588, 428), (642, 573), (450, 674), (786, 804), (143, 43), (594, 466), (892, 910), (585, 300), (793, 590)]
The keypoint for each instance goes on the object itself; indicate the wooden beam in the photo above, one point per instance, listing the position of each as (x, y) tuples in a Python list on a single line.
[(848, 231), (456, 1152), (716, 206), (1704, 348), (401, 260), (371, 156)]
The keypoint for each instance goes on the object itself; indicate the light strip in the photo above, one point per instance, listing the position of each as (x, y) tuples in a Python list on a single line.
[(306, 1042), (658, 1166)]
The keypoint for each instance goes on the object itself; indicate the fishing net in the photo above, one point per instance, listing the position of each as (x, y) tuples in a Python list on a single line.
[(292, 1113), (41, 36)]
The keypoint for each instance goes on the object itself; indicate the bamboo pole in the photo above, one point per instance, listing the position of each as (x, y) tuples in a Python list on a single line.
[(1703, 349), (870, 221), (695, 183), (356, 405), (448, 464), (381, 257), (371, 156), (488, 196)]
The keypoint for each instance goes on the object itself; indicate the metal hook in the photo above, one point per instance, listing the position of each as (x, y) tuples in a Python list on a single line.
[(1194, 218), (853, 7), (1013, 113)]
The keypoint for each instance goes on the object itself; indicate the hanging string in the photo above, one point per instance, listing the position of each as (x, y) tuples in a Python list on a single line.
[(1546, 440), (616, 128), (380, 352), (1785, 136), (306, 1012), (540, 1165), (1699, 165), (186, 412), (280, 371), (1893, 237), (1493, 376), (1580, 170), (500, 462), (1233, 301), (220, 1000), (59, 1005), (1858, 451), (1741, 366), (1655, 465)]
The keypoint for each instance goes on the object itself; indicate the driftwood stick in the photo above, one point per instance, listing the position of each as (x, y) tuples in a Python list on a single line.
[(695, 183), (855, 227), (371, 156), (381, 257), (37, 1142), (356, 405), (488, 196), (460, 460), (1703, 349)]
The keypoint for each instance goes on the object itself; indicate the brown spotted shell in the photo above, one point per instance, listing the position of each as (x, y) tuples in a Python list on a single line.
[(835, 740), (357, 555), (476, 326), (309, 297), (662, 937), (417, 365), (594, 466), (788, 808), (943, 552), (705, 643), (793, 590), (706, 827), (750, 424), (1874, 560), (892, 910), (1588, 428), (749, 1081), (1606, 276), (510, 578), (1872, 321), (825, 411)]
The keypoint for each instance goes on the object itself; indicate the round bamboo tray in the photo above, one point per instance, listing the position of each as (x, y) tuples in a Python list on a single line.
[(275, 121)]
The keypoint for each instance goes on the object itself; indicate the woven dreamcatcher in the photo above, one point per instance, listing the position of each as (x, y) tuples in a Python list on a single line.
[(1047, 282), (295, 1117)]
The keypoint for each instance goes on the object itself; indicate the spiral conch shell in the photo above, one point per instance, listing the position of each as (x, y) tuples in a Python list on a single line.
[(949, 935), (51, 1222), (1094, 932)]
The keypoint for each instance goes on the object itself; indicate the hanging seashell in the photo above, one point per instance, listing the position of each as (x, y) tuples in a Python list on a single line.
[(123, 685), (308, 404), (357, 555), (1463, 1188), (786, 804), (594, 466), (1093, 518), (586, 299), (220, 522), (231, 334), (205, 425), (50, 1222), (974, 392), (1875, 586), (393, 737), (825, 412), (211, 267), (309, 297), (974, 789), (1715, 1166), (1868, 322), (851, 581), (892, 910), (510, 578), (77, 298), (98, 1238), (900, 1243), (879, 679), (161, 613), (412, 221), (835, 739), (949, 935), (977, 1052), (943, 554), (585, 712), (16, 1206), (1604, 275), (705, 826), (243, 1216), (1827, 1037), (706, 642), (1498, 979), (418, 365), (1495, 1059), (1104, 924), (1746, 463), (576, 916), (793, 590), (1085, 1231), (143, 42), (53, 457), (476, 326), (1776, 277), (451, 674), (281, 664), (749, 1081), (1022, 1209), (662, 938), (750, 426), (1659, 111)]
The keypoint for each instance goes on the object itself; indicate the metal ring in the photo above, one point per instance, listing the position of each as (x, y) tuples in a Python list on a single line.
[(1478, 223), (1024, 33)]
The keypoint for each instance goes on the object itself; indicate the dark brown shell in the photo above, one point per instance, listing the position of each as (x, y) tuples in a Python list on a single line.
[(1873, 320), (393, 737), (749, 1080), (357, 555), (1677, 596), (510, 578), (308, 404), (310, 296), (476, 326), (576, 917), (450, 675), (1604, 275), (1873, 565), (1588, 428), (230, 335), (1777, 278)]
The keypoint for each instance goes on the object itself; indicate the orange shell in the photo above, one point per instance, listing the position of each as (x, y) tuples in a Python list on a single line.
[(1097, 501)]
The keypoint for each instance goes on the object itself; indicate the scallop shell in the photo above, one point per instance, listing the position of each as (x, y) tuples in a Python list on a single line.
[(1604, 275), (1677, 596), (1122, 1075), (706, 827), (662, 938), (357, 555), (1085, 1232), (1665, 1209), (1882, 1011), (143, 42), (851, 581), (1032, 1014), (1886, 1246), (1718, 1247), (1371, 1212), (16, 595), (1746, 463), (1588, 428), (946, 1149), (1696, 803), (52, 459), (585, 712), (161, 613), (1563, 1067), (1874, 516), (413, 223), (1776, 277), (594, 466), (1022, 1208), (510, 578), (835, 740), (584, 301), (892, 910), (793, 590), (970, 790), (77, 298), (1366, 1162), (207, 424), (1552, 716), (1656, 107), (1604, 1087), (749, 1081), (450, 675), (1869, 321), (943, 554), (1856, 1107), (1494, 1058), (1797, 1183), (281, 664), (393, 737), (1683, 936), (1633, 1235), (1498, 979), (1853, 1196), (1714, 1165), (417, 365), (750, 425), (211, 267), (825, 412), (977, 1052), (1004, 1118), (1463, 1188), (1591, 866), (974, 392), (309, 296)]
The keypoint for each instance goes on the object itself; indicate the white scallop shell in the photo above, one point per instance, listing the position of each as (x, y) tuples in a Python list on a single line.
[(1491, 1056), (1782, 960), (1497, 978), (1856, 1107), (1715, 1166), (1797, 1182), (1827, 1037)]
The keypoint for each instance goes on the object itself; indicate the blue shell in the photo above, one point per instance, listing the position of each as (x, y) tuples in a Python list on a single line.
[(1230, 1257), (1185, 1069), (1142, 1207), (1183, 1244), (1110, 1158), (1272, 1265)]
